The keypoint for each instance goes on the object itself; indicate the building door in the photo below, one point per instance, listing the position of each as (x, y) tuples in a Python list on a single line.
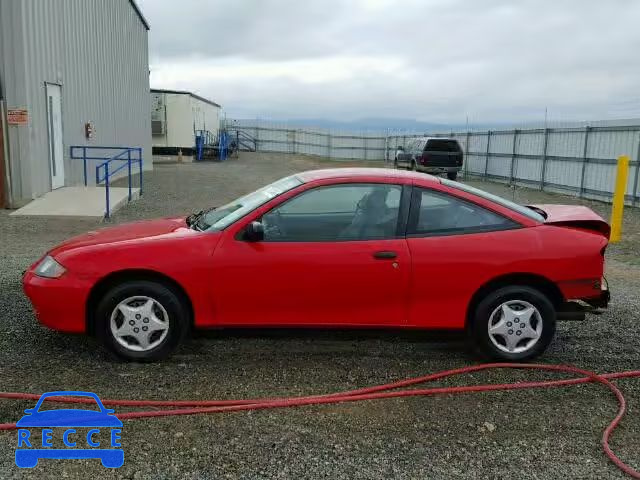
[(54, 127)]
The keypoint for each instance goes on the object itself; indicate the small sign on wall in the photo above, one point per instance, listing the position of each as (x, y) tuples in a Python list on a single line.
[(89, 130), (17, 116)]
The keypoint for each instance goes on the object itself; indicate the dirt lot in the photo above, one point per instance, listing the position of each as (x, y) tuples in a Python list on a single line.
[(544, 434)]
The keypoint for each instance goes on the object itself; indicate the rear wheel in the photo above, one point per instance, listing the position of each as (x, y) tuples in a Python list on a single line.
[(452, 175), (513, 324), (141, 320)]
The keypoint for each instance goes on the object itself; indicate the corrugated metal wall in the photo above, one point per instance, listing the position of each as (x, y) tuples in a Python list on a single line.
[(98, 51)]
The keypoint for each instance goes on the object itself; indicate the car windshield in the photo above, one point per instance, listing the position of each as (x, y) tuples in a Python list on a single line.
[(223, 216), (526, 211)]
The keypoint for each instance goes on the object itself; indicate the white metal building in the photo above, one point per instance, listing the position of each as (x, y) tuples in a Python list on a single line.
[(176, 116), (72, 72)]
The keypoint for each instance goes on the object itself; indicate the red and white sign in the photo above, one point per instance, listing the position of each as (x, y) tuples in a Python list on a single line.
[(17, 116)]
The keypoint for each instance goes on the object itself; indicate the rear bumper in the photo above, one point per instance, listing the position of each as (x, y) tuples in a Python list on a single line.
[(602, 301), (430, 169), (577, 309)]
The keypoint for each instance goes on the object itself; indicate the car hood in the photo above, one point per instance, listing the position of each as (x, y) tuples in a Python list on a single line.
[(69, 418), (576, 216), (124, 232)]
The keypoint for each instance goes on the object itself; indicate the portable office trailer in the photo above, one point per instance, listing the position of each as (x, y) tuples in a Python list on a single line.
[(176, 116)]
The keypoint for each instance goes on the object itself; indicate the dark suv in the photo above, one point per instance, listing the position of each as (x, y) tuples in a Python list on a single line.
[(432, 155)]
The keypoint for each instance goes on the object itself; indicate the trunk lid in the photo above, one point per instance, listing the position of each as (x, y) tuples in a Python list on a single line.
[(574, 216)]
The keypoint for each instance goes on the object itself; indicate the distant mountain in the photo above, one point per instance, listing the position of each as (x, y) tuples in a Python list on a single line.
[(401, 126), (378, 125), (373, 124)]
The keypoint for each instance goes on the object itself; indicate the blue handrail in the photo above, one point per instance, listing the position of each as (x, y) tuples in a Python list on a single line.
[(106, 161)]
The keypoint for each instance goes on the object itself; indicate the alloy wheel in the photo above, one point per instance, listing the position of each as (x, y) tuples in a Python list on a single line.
[(139, 323), (515, 326)]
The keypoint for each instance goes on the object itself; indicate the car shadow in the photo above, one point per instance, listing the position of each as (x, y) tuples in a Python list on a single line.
[(338, 335)]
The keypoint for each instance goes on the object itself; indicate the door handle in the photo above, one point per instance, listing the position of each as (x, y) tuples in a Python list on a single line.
[(385, 255)]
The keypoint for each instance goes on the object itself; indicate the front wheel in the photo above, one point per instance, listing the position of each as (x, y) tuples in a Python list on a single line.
[(452, 175), (141, 320), (514, 323)]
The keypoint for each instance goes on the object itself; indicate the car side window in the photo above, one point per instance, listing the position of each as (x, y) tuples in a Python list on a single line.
[(353, 211), (435, 213)]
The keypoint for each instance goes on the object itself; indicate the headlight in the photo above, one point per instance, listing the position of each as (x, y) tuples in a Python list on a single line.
[(49, 268)]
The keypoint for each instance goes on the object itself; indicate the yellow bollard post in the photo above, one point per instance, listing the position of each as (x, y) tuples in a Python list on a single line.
[(622, 175)]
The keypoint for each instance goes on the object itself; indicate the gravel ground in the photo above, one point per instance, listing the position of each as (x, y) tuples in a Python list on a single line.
[(542, 434)]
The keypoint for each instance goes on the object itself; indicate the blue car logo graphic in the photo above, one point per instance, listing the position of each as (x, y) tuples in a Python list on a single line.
[(61, 424)]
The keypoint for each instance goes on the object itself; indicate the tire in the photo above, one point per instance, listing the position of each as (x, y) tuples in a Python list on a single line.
[(414, 167), (149, 306), (490, 312), (395, 164), (452, 175)]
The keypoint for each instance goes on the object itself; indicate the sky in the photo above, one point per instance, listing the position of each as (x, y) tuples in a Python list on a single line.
[(437, 61)]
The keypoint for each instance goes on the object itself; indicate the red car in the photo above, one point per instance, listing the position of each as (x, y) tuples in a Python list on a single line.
[(332, 248)]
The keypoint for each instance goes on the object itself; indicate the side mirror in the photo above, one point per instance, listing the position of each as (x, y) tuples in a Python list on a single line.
[(254, 232)]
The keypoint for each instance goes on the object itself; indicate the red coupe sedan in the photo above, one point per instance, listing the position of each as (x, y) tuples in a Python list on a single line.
[(332, 248)]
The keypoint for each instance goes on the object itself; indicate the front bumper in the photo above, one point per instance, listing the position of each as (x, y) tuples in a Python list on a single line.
[(59, 303)]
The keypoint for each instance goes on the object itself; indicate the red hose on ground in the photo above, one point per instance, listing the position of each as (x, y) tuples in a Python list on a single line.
[(188, 407)]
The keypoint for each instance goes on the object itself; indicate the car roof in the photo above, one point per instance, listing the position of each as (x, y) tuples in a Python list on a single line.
[(354, 173)]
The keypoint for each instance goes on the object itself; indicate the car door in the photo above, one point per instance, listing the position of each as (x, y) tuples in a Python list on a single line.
[(456, 246), (331, 255)]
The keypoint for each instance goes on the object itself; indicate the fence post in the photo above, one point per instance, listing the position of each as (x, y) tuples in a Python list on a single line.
[(635, 179), (293, 140), (585, 151), (486, 157), (84, 162), (129, 169), (544, 158), (329, 146), (364, 141), (513, 156), (622, 173), (140, 165), (466, 159), (106, 188)]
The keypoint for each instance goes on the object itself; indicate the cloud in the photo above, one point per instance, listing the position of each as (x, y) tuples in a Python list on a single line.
[(433, 60)]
